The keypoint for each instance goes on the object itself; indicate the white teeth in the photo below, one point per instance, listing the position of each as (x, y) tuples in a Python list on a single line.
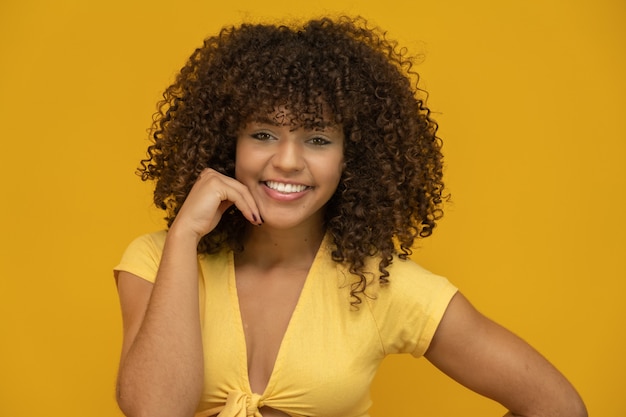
[(285, 188)]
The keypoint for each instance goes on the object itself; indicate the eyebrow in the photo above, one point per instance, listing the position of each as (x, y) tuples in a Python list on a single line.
[(274, 122)]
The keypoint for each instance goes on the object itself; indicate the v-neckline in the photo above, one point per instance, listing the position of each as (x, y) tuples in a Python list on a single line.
[(234, 295)]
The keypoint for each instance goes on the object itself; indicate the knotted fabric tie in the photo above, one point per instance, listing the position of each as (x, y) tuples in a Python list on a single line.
[(238, 404)]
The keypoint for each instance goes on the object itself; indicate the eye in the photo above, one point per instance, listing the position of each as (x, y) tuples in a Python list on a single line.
[(319, 141), (262, 136)]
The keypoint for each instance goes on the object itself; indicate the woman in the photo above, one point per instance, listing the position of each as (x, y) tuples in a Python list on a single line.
[(297, 166)]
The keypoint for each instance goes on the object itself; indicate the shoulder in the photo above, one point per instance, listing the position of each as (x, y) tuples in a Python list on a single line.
[(156, 239), (409, 307), (143, 255), (149, 244), (409, 279)]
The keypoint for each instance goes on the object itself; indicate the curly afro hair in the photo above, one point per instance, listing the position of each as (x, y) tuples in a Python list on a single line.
[(391, 191)]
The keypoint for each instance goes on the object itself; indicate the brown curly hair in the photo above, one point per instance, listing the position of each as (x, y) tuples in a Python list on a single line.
[(391, 191)]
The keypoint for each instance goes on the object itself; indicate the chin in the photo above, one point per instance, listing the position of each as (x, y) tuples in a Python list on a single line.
[(285, 222)]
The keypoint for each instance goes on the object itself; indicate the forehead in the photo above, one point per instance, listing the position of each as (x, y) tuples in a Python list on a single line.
[(317, 117)]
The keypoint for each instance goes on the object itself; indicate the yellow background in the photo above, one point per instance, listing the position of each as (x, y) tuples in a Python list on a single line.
[(530, 96)]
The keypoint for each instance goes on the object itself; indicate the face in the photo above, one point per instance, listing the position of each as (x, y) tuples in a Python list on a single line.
[(291, 172)]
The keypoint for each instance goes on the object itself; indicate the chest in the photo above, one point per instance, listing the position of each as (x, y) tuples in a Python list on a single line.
[(267, 301), (287, 340)]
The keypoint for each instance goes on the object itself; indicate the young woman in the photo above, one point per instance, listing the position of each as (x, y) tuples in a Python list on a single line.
[(297, 166)]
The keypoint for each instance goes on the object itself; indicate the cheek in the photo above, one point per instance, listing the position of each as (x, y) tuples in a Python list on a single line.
[(244, 163), (341, 165), (334, 171), (238, 170)]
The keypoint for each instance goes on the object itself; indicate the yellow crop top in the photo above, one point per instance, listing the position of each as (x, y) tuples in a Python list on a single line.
[(330, 351)]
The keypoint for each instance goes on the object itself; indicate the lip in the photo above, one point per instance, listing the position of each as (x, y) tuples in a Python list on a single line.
[(285, 196)]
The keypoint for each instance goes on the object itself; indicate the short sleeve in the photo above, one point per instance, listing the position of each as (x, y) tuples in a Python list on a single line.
[(143, 256), (410, 307)]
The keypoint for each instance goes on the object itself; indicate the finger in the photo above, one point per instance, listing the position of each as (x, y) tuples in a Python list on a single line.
[(238, 195), (232, 192)]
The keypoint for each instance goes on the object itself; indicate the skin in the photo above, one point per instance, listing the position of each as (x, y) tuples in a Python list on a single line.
[(162, 337), (271, 157), (492, 361)]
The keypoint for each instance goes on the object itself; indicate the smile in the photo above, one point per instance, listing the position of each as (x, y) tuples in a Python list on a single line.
[(281, 187)]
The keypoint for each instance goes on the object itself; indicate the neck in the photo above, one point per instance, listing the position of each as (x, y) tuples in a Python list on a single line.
[(270, 247)]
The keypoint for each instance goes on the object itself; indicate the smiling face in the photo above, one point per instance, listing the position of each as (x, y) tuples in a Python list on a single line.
[(291, 172)]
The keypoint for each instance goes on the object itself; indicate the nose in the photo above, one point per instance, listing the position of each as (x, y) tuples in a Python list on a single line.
[(289, 155)]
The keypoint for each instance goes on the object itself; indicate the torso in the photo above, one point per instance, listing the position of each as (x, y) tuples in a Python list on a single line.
[(267, 300)]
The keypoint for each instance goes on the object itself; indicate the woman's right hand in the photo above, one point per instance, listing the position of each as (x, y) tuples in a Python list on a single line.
[(211, 195), (161, 368)]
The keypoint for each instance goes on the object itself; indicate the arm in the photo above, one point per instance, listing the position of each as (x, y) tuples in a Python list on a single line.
[(161, 364), (161, 367), (492, 361)]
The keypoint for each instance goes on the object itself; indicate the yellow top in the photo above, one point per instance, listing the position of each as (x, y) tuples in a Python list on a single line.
[(330, 351)]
